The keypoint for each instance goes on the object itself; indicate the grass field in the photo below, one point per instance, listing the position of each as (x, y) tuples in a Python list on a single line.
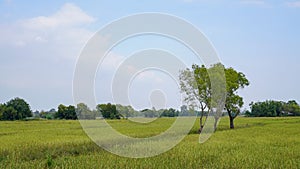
[(255, 143)]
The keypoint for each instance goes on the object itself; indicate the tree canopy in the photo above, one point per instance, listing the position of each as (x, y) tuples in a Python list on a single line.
[(15, 109), (196, 85), (108, 111), (234, 81), (66, 112)]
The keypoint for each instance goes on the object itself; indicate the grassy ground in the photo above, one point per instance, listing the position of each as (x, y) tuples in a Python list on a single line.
[(255, 143)]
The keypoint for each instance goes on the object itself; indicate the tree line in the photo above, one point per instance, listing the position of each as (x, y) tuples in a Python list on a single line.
[(272, 108), (196, 85), (19, 109)]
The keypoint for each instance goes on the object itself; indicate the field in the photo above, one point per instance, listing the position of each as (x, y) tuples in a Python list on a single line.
[(255, 143)]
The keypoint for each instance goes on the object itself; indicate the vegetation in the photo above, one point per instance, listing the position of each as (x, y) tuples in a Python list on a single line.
[(196, 84), (234, 81), (108, 111), (66, 112), (84, 112), (15, 109), (255, 143), (271, 108)]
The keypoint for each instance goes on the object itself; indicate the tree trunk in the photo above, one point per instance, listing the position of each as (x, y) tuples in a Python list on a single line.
[(215, 123), (201, 124), (231, 122)]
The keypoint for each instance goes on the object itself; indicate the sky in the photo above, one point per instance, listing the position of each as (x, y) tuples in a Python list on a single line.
[(40, 42)]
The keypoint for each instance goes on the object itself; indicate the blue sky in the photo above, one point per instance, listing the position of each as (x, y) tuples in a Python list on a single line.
[(41, 40)]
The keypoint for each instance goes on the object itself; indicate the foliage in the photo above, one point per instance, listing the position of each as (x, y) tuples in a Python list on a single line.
[(150, 113), (126, 111), (271, 108), (15, 109), (108, 111), (47, 114), (195, 84), (84, 112), (169, 113), (66, 112), (234, 81), (291, 108)]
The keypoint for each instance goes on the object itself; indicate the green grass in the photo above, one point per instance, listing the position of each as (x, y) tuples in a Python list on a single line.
[(255, 143)]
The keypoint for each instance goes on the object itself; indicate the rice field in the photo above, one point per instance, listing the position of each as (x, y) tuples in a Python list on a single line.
[(255, 143)]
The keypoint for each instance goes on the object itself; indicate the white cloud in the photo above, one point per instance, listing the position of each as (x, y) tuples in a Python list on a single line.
[(39, 54), (254, 2), (295, 4), (69, 15), (65, 31)]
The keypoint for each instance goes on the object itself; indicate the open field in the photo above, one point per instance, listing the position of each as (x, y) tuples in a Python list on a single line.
[(255, 143)]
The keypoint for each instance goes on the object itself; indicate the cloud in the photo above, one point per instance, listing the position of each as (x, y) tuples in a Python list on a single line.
[(65, 31), (38, 54), (69, 15), (254, 2), (295, 4)]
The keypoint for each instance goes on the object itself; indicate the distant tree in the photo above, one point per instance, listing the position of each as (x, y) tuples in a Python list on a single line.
[(21, 106), (108, 111), (66, 112), (126, 111), (267, 108), (2, 109), (169, 113), (291, 108), (150, 113), (43, 114), (36, 114), (184, 111), (234, 81), (84, 112), (15, 109), (47, 114), (271, 108), (8, 113)]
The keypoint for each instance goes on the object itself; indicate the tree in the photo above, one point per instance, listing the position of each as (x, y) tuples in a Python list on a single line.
[(150, 113), (108, 111), (84, 112), (195, 84), (66, 112), (48, 114), (169, 113), (2, 109), (234, 81), (15, 109), (7, 113), (271, 108), (126, 111), (21, 107), (292, 108)]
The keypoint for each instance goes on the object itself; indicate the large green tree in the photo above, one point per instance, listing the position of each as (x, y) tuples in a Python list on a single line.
[(195, 83), (234, 81), (8, 113), (197, 86), (15, 109)]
